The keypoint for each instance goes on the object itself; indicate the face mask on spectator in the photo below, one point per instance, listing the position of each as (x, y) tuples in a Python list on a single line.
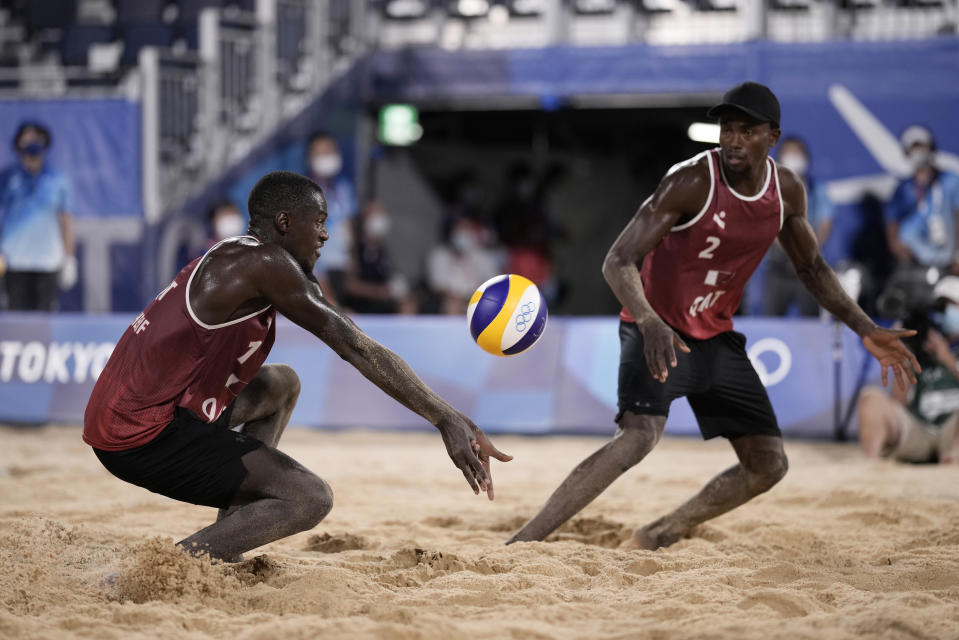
[(33, 149), (795, 161), (377, 225), (919, 156), (326, 165), (463, 240), (228, 226), (949, 320)]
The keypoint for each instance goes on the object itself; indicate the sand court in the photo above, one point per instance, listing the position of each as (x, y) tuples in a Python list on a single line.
[(842, 548)]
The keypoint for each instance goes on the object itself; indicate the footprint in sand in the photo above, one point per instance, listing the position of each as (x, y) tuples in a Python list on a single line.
[(327, 543), (510, 524), (778, 602), (444, 522), (596, 531), (256, 570)]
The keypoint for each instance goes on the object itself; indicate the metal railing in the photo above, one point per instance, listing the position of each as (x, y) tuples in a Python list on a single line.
[(204, 111), (678, 22)]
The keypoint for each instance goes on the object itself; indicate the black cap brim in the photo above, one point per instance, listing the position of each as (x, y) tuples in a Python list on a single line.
[(726, 107)]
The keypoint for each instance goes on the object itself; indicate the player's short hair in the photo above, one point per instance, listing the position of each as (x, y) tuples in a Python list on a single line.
[(280, 191)]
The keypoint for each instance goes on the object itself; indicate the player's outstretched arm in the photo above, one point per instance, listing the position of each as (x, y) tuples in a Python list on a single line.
[(799, 242), (297, 295), (680, 194)]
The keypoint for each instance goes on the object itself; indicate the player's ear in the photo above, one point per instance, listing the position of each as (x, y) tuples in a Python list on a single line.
[(774, 134), (282, 220)]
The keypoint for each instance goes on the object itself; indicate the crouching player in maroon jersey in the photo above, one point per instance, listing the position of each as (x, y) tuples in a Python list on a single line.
[(190, 367), (699, 238)]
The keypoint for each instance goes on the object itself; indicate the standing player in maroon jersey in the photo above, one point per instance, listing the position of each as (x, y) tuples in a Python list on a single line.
[(699, 238), (190, 367)]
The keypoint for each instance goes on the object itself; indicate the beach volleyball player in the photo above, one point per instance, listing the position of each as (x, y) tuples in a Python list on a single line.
[(190, 367), (699, 237)]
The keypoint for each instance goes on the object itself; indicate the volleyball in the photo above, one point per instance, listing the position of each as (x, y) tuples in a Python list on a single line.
[(506, 315)]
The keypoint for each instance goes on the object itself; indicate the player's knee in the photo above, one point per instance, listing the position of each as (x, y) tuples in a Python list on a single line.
[(637, 436), (289, 381), (771, 468), (285, 381), (315, 503)]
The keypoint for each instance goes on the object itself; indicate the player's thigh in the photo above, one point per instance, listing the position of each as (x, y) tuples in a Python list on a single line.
[(736, 403), (637, 390), (273, 474), (274, 387)]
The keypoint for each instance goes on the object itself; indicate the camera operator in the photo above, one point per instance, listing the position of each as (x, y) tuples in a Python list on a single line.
[(919, 424)]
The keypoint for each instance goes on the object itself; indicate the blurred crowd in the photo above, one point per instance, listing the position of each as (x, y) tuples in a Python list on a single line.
[(903, 265), (516, 233)]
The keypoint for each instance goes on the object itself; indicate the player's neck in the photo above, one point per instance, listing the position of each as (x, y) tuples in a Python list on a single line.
[(748, 182)]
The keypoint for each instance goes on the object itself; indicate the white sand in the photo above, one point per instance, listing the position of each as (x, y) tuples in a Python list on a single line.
[(842, 548)]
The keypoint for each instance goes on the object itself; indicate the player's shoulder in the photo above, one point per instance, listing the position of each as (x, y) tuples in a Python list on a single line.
[(698, 167), (249, 259), (791, 185), (688, 180)]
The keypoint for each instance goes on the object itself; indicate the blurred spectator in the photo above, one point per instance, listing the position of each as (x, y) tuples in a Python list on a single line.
[(226, 221), (325, 167), (781, 288), (371, 285), (461, 264), (921, 217), (919, 424), (525, 228), (36, 231)]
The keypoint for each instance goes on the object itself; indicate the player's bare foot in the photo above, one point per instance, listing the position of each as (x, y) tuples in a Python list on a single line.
[(652, 537)]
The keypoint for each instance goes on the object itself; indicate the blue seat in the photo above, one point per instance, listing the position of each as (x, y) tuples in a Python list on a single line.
[(49, 14), (190, 9), (77, 39), (139, 11), (137, 36)]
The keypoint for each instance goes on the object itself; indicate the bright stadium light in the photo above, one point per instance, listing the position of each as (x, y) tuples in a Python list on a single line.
[(594, 6), (498, 15), (706, 132), (526, 7), (406, 8), (471, 8), (655, 6)]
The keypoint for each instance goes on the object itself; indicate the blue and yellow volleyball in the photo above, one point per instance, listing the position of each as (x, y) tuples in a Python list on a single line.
[(507, 315)]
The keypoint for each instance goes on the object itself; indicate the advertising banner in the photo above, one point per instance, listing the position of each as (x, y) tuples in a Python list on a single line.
[(565, 384)]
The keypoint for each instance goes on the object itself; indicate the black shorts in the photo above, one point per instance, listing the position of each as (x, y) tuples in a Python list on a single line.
[(191, 460), (716, 377)]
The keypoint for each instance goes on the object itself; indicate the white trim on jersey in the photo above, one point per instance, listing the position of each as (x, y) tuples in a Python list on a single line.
[(190, 281), (709, 198), (759, 195), (779, 192)]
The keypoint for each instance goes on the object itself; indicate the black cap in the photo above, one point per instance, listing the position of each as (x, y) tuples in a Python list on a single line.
[(751, 98)]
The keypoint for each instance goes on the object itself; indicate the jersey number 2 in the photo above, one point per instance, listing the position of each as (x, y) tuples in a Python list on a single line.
[(707, 253)]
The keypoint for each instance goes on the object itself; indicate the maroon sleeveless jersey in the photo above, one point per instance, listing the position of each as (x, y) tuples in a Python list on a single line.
[(168, 358), (694, 279)]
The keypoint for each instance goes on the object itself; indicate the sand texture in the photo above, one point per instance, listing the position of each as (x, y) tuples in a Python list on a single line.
[(842, 548)]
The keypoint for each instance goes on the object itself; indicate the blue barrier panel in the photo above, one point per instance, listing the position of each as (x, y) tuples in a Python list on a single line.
[(565, 384)]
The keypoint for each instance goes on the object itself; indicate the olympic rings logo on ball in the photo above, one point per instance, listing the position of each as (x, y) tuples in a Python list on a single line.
[(526, 313)]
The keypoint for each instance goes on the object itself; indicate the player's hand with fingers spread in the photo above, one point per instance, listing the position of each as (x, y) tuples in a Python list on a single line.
[(467, 446), (659, 346), (887, 347), (484, 450)]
